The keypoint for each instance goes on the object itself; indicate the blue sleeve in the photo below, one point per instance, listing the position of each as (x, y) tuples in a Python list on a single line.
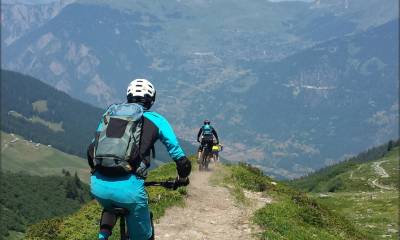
[(166, 135)]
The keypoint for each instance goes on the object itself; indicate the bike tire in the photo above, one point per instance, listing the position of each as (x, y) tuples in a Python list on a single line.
[(206, 158), (201, 164)]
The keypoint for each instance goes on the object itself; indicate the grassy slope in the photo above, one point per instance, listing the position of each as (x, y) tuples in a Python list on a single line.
[(88, 216), (372, 209), (292, 214), (41, 160)]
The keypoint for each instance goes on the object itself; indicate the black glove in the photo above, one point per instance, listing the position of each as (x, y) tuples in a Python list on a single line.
[(181, 182), (184, 167)]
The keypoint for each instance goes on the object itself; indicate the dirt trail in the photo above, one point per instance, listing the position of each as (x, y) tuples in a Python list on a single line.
[(210, 212), (381, 172)]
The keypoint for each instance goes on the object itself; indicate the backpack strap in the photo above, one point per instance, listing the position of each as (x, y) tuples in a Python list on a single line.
[(133, 141), (153, 151)]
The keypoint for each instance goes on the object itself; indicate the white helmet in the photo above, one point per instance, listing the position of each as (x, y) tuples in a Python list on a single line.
[(141, 91)]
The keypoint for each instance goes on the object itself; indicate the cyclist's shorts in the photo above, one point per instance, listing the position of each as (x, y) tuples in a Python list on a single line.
[(126, 192)]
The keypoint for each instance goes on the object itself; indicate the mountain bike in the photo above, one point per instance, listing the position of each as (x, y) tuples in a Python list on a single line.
[(121, 213), (205, 156)]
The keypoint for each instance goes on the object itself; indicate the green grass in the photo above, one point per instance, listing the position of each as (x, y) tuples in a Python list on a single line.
[(41, 160), (374, 213), (292, 214), (350, 176), (70, 228), (351, 194)]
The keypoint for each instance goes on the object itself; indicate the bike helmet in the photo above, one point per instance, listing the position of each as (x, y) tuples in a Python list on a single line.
[(207, 122), (141, 91)]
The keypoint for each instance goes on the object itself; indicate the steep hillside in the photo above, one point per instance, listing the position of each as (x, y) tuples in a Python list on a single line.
[(283, 82), (353, 173), (48, 116), (45, 115), (364, 191), (21, 155), (26, 200)]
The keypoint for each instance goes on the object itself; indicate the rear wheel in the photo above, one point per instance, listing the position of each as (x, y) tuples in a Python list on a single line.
[(206, 157), (201, 163)]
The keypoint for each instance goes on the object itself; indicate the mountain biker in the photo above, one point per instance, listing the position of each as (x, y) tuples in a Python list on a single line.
[(206, 135), (128, 191)]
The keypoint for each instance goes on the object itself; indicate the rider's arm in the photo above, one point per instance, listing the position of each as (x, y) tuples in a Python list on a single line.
[(168, 138), (215, 134), (166, 135), (199, 134)]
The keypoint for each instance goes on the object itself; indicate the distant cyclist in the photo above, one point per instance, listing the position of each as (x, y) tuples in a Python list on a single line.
[(206, 135), (120, 156)]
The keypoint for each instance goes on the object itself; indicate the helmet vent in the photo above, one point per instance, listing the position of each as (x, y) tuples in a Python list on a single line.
[(138, 90)]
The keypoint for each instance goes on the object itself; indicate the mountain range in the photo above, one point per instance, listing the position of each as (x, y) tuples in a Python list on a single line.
[(290, 86)]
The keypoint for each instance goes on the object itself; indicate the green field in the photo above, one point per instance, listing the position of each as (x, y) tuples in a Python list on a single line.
[(374, 213), (375, 210), (365, 193), (19, 154)]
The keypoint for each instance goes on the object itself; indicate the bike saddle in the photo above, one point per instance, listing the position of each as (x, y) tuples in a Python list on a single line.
[(119, 211)]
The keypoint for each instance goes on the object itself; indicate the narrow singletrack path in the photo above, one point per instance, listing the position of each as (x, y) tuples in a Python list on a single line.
[(210, 212), (381, 172)]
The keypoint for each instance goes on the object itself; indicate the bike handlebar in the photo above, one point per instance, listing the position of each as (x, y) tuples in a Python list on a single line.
[(170, 184)]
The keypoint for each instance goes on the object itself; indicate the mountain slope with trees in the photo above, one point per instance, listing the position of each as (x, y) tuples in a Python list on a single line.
[(41, 113), (26, 200)]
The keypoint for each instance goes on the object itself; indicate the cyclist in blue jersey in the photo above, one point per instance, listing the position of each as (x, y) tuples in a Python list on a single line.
[(127, 190), (205, 135)]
